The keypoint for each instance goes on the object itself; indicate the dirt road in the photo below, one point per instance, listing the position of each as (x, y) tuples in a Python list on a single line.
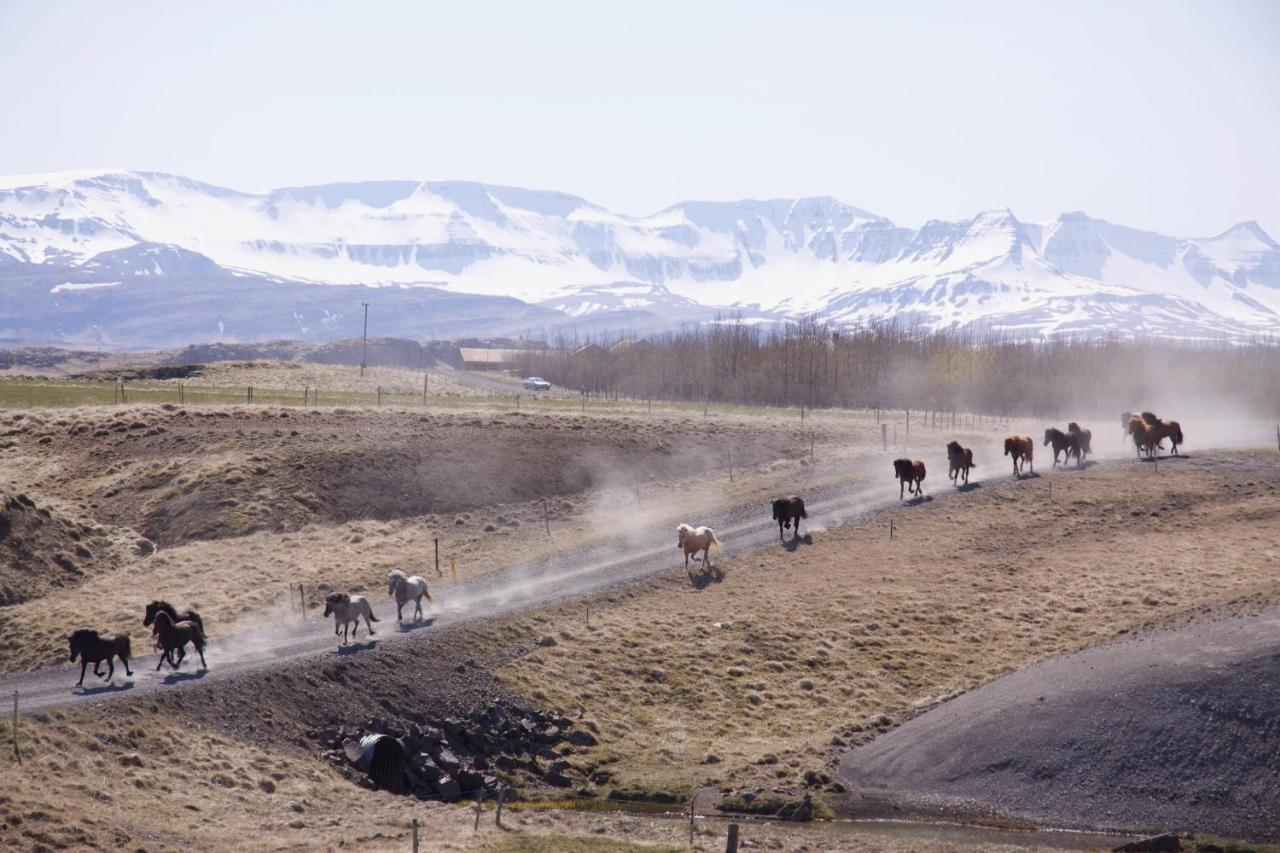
[(533, 585)]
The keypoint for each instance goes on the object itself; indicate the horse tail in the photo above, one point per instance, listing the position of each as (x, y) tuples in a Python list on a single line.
[(198, 639), (427, 593), (803, 512), (195, 617), (369, 613)]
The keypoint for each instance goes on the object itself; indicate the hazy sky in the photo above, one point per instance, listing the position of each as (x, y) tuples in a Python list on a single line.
[(1163, 115)]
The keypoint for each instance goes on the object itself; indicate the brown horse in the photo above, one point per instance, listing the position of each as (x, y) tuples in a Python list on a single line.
[(1061, 444), (1171, 430), (1081, 441), (174, 637), (910, 475), (1022, 449), (787, 510), (960, 460), (94, 648), (1145, 438)]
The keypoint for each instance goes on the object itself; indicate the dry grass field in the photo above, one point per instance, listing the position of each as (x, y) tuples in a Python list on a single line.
[(753, 684)]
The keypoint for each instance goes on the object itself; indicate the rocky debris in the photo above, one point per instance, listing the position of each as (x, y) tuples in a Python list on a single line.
[(500, 747), (1164, 843)]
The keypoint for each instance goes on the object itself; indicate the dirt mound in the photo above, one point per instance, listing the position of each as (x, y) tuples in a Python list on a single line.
[(179, 476), (1174, 730), (40, 550)]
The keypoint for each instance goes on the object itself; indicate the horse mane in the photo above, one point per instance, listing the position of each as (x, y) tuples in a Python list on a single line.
[(1073, 427), (83, 634), (1151, 418), (954, 447)]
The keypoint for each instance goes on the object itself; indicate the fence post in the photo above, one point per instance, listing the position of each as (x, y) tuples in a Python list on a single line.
[(546, 517), (884, 437), (439, 574), (302, 601), (415, 835), (502, 798), (810, 448), (730, 464), (692, 801), (17, 754), (908, 425), (891, 528), (453, 568), (479, 806), (731, 843)]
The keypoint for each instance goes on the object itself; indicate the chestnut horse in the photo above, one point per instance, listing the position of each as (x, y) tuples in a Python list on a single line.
[(1145, 438), (1081, 441), (960, 460), (1022, 449), (789, 509), (910, 475), (1171, 430)]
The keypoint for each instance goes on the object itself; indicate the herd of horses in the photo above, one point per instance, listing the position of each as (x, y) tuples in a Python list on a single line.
[(173, 630)]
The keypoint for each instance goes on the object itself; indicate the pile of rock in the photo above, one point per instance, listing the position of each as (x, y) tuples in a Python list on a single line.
[(498, 748)]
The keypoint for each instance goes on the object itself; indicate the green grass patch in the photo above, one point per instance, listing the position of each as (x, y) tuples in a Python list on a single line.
[(773, 805)]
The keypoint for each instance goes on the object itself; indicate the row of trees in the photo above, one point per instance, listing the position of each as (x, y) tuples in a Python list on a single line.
[(811, 364)]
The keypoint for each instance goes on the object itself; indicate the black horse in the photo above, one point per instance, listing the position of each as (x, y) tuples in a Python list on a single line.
[(787, 510), (174, 636), (94, 648), (1061, 443), (187, 615)]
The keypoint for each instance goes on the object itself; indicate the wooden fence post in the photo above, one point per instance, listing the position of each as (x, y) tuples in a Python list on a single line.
[(730, 464), (415, 835), (502, 798), (731, 843), (425, 377), (453, 568), (884, 437), (546, 517), (908, 424), (479, 806), (302, 601), (439, 574), (17, 754), (692, 801), (891, 528)]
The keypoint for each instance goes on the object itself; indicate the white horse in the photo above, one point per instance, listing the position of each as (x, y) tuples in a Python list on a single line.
[(347, 609), (407, 588), (695, 539)]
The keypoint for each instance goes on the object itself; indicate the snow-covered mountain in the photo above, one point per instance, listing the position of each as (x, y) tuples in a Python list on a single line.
[(154, 257)]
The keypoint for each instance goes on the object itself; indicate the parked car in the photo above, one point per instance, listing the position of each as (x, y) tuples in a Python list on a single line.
[(536, 383)]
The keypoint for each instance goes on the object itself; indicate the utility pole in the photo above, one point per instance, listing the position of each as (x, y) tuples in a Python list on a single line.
[(364, 343)]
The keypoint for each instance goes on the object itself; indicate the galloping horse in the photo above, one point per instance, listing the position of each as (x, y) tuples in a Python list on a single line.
[(1061, 444), (405, 588), (694, 539), (1171, 430), (789, 509), (347, 609), (174, 637), (910, 476), (1144, 436), (961, 460), (1081, 441), (187, 615), (1022, 449), (94, 648)]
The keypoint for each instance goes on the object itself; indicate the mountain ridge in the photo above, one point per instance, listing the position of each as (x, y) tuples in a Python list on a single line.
[(568, 259)]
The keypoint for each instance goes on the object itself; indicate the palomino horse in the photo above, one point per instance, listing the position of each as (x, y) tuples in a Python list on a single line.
[(347, 609), (94, 648), (789, 509), (694, 539), (405, 588), (1171, 430), (174, 637), (1022, 449), (960, 460), (910, 476)]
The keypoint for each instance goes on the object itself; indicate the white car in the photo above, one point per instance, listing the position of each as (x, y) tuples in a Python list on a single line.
[(536, 383)]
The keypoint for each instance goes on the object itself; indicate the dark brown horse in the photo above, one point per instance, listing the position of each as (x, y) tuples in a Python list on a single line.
[(94, 648), (1022, 449), (787, 510), (1081, 441), (960, 460), (187, 615), (174, 637), (1061, 443), (910, 475), (1171, 430)]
